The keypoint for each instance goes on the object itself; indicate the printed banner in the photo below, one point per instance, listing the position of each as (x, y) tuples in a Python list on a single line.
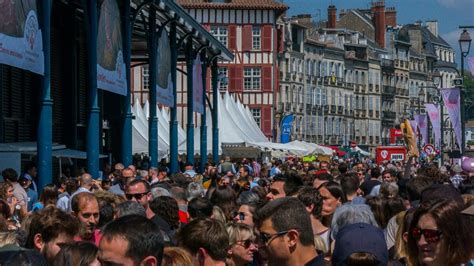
[(164, 84), (452, 100), (433, 113), (198, 104), (422, 127), (110, 64), (286, 125), (470, 63), (414, 127), (21, 41)]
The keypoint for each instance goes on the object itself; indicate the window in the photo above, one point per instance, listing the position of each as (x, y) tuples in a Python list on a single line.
[(223, 78), (324, 97), (370, 103), (251, 78), (257, 115), (318, 96), (145, 78), (256, 38), (220, 32)]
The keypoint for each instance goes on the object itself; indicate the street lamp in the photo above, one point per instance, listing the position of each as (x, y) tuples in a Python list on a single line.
[(465, 45)]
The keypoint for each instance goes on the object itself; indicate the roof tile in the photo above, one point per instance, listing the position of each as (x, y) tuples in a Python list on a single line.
[(233, 4)]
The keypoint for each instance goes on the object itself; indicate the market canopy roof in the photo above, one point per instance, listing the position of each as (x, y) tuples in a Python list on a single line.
[(186, 26)]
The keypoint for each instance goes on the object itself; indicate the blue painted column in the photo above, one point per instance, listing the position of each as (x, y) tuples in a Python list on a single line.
[(215, 111), (190, 106), (93, 126), (174, 108), (45, 126), (203, 146), (127, 118), (152, 66)]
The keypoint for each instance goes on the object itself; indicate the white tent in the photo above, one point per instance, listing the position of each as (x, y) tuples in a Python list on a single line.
[(312, 148)]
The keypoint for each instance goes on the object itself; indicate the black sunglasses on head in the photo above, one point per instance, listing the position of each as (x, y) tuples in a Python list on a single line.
[(137, 196)]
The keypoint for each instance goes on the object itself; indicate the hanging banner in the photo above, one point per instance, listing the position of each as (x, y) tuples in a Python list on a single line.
[(433, 113), (452, 100), (110, 64), (21, 41), (198, 105), (414, 127), (422, 127), (286, 125), (164, 84), (470, 63)]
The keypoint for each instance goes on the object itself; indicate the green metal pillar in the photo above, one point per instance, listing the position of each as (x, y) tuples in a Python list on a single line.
[(174, 110), (203, 147), (127, 112), (93, 126), (215, 111), (153, 69), (45, 126), (190, 56)]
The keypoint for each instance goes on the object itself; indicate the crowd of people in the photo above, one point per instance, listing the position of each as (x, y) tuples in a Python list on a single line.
[(241, 212)]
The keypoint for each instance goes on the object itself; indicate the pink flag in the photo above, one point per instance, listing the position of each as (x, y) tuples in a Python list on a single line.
[(423, 127), (452, 99), (433, 113), (470, 63)]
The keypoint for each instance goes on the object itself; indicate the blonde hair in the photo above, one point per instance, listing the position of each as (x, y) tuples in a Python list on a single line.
[(174, 256), (320, 244), (218, 214), (8, 238), (238, 232)]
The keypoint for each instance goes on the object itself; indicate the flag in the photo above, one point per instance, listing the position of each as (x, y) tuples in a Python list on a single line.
[(421, 121), (433, 113), (452, 100)]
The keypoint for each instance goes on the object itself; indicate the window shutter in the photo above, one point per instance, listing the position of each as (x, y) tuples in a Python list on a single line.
[(266, 79), (232, 37), (239, 77), (266, 124), (267, 38), (247, 38)]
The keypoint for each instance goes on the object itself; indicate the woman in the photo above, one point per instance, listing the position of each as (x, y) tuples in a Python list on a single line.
[(242, 244), (48, 197), (6, 194), (78, 254), (333, 197), (174, 256), (440, 235)]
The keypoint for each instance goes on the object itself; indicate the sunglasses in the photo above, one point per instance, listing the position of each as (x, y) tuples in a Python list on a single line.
[(137, 196), (268, 237), (431, 236), (245, 243)]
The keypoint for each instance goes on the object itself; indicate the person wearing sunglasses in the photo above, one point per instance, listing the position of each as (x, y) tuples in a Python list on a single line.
[(286, 233), (440, 235), (139, 191), (242, 246)]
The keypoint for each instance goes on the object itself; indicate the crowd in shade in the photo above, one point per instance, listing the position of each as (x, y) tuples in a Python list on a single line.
[(242, 212)]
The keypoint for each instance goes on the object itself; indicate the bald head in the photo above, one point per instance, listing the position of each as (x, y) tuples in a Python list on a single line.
[(86, 181)]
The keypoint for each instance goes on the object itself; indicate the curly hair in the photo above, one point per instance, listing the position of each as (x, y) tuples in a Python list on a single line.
[(166, 208)]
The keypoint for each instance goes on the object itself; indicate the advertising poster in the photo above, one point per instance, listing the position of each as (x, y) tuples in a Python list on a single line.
[(452, 101), (21, 42), (197, 86), (110, 64), (286, 125), (164, 84)]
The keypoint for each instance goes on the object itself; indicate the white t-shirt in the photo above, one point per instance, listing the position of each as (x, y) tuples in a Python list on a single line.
[(20, 194)]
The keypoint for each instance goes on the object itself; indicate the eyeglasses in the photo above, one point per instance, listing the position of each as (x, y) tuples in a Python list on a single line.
[(431, 235), (245, 243), (268, 237), (137, 196)]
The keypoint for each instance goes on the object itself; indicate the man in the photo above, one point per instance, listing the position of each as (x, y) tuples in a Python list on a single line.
[(200, 208), (139, 191), (10, 176), (313, 202), (285, 230), (207, 241), (226, 167), (85, 208), (49, 228), (163, 174), (284, 185), (179, 194), (63, 198), (350, 186), (85, 185), (131, 240), (368, 185), (189, 170)]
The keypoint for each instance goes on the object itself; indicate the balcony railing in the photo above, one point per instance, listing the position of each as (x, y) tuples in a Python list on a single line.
[(389, 90), (388, 115)]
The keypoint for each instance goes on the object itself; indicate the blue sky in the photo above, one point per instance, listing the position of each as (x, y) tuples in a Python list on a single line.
[(449, 13)]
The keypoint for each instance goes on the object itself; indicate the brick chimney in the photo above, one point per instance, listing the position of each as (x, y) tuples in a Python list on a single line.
[(378, 19), (331, 24), (391, 16)]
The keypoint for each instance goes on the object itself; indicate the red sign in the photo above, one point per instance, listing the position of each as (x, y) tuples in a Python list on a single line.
[(429, 149), (353, 144), (390, 153), (394, 134)]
